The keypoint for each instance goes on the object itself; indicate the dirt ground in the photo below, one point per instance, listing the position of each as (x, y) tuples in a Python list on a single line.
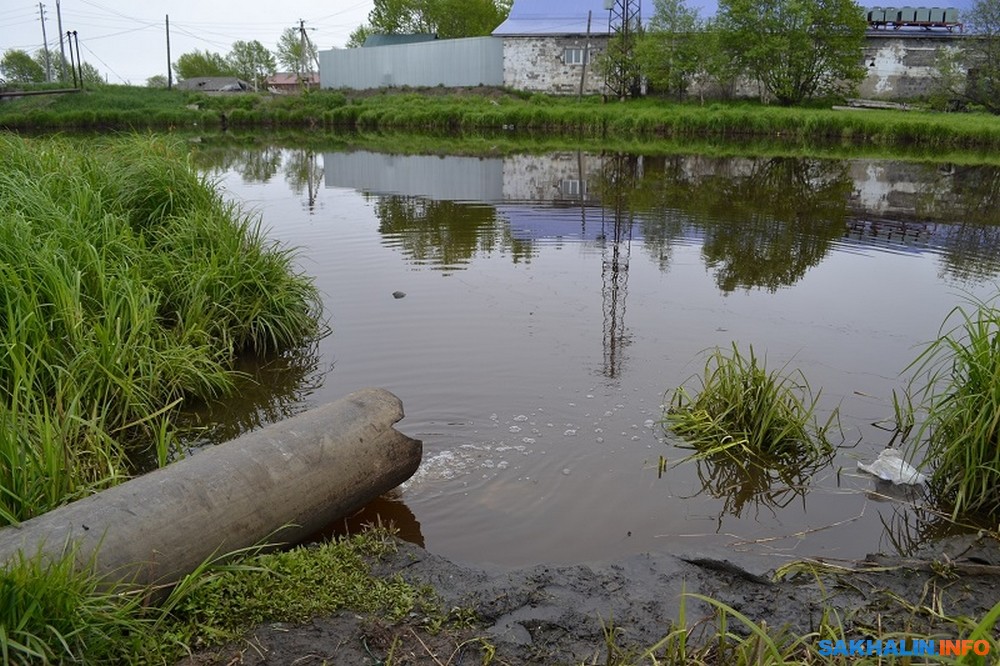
[(559, 615)]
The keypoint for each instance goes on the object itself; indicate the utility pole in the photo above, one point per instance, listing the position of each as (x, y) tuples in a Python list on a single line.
[(62, 47), (302, 51), (170, 74), (72, 63), (306, 58), (586, 57), (45, 41), (79, 58)]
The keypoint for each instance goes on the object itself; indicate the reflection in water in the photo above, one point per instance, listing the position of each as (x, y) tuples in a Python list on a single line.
[(741, 486), (256, 164), (303, 174), (617, 182), (444, 234), (271, 390), (765, 222), (386, 510), (501, 358)]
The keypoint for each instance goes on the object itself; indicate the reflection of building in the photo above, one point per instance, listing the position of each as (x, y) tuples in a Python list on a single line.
[(571, 181)]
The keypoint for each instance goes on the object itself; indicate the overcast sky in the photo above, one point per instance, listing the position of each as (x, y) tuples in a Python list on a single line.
[(126, 39)]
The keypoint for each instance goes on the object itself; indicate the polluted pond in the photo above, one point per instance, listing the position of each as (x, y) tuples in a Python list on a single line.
[(554, 302), (553, 324)]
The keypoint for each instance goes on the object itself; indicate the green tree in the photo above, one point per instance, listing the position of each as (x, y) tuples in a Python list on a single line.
[(157, 81), (796, 49), (358, 36), (18, 67), (669, 52), (295, 54), (201, 63), (983, 85), (447, 18), (251, 61)]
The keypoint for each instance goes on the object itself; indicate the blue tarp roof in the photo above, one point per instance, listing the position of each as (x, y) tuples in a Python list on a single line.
[(555, 17)]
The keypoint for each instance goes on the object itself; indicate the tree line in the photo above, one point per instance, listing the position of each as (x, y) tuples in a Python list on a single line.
[(18, 66), (795, 51), (248, 60)]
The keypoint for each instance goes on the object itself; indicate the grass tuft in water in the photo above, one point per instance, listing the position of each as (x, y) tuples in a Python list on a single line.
[(958, 381), (747, 413)]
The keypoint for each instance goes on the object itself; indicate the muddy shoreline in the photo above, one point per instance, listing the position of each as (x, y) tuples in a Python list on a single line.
[(560, 614)]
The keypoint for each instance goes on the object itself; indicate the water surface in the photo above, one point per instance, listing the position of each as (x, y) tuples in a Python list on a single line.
[(551, 301)]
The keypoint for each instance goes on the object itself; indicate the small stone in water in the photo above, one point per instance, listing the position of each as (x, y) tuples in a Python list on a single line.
[(515, 429), (398, 294), (520, 417)]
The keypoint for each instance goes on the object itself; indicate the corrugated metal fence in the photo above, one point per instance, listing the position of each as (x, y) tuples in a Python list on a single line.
[(449, 62)]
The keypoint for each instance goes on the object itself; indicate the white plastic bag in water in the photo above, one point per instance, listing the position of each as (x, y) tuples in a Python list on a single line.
[(890, 466)]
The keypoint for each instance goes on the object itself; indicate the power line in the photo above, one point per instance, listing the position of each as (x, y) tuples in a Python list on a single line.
[(120, 78)]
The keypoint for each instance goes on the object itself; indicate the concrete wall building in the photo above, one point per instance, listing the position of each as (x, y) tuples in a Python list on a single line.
[(545, 46), (550, 46)]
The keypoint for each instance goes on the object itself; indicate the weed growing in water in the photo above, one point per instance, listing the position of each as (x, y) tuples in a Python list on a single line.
[(958, 381), (745, 413)]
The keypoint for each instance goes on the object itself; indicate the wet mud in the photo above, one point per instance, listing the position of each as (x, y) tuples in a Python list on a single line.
[(561, 614)]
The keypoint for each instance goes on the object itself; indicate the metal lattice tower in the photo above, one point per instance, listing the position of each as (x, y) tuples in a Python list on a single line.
[(620, 174), (624, 25)]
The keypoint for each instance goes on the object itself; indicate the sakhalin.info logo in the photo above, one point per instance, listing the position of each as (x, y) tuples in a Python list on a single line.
[(903, 648)]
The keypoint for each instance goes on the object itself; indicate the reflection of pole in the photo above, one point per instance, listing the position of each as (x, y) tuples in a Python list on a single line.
[(313, 189), (583, 194), (619, 179)]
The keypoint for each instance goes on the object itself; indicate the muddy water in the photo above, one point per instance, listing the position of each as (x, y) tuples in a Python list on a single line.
[(552, 300)]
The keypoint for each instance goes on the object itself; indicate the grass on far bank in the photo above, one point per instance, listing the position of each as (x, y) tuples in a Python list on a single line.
[(127, 286), (481, 109)]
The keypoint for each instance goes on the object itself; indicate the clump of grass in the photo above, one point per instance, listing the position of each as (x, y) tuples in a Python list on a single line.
[(295, 586), (747, 413), (127, 287), (53, 612), (958, 380)]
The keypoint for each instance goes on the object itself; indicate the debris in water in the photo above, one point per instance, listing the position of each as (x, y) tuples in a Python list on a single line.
[(398, 294), (890, 466)]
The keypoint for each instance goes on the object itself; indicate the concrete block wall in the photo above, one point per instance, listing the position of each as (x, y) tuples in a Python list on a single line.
[(904, 66), (537, 64)]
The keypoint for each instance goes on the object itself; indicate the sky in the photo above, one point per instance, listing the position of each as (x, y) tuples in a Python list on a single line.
[(126, 39)]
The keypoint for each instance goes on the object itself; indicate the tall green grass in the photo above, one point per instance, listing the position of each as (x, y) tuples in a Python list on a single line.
[(127, 287), (958, 381), (500, 110), (750, 414)]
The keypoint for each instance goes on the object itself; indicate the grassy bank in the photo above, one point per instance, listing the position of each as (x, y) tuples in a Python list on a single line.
[(53, 615), (127, 287), (119, 107)]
